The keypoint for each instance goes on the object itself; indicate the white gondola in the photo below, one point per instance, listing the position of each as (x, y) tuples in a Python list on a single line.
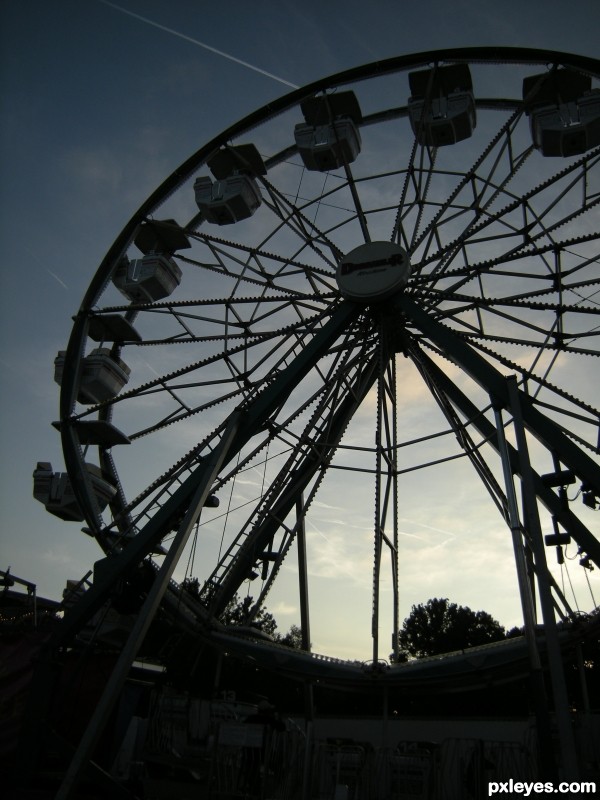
[(147, 279), (235, 194), (227, 201), (54, 490), (564, 113), (329, 138), (327, 147), (102, 376), (441, 108)]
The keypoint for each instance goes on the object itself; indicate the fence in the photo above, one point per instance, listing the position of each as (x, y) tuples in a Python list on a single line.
[(455, 769), (211, 751)]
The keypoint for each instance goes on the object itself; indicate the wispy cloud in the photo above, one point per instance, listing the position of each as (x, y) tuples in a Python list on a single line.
[(333, 560), (200, 44), (96, 169), (283, 608)]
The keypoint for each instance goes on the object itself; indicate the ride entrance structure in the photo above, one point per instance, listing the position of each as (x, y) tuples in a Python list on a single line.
[(377, 289)]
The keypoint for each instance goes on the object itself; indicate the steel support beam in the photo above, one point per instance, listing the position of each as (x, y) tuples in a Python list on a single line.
[(559, 689), (145, 616), (251, 422), (114, 567), (527, 594), (493, 382), (303, 576), (318, 454), (571, 523)]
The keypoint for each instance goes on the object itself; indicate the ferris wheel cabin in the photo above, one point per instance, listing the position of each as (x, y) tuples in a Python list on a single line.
[(102, 376), (564, 112), (441, 108), (234, 195), (329, 136), (55, 492), (147, 279)]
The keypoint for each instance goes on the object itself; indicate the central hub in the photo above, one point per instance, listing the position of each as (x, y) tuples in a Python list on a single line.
[(373, 271)]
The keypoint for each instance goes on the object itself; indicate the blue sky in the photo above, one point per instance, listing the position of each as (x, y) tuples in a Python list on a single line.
[(97, 107)]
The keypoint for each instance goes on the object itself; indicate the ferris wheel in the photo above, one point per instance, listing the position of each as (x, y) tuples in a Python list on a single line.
[(377, 284)]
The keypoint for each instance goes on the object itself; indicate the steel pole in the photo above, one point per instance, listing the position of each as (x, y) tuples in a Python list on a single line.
[(145, 616), (540, 699), (559, 689), (303, 575)]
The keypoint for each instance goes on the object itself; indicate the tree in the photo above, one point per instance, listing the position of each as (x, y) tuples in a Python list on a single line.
[(293, 638), (237, 612), (515, 631), (439, 626)]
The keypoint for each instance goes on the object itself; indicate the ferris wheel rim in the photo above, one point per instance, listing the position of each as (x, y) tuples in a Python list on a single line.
[(78, 335), (514, 55)]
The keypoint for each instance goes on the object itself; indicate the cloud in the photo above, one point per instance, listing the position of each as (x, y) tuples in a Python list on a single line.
[(283, 609), (96, 170), (333, 556)]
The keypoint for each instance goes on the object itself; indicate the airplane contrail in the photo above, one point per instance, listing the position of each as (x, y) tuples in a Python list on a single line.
[(56, 278), (200, 44)]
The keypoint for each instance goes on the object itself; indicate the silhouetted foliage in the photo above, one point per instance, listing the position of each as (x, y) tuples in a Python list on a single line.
[(238, 612), (513, 632), (293, 638), (440, 626)]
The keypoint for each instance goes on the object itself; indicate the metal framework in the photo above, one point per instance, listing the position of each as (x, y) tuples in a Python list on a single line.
[(271, 391)]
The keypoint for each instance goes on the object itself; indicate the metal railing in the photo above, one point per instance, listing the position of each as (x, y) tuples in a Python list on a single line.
[(222, 752)]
